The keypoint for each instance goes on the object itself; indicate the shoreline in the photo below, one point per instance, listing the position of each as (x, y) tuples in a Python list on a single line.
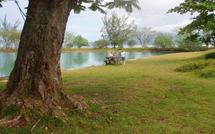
[(75, 50), (5, 78)]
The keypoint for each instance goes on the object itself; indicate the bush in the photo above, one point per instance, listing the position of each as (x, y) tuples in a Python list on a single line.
[(195, 66), (210, 56), (188, 44), (208, 72)]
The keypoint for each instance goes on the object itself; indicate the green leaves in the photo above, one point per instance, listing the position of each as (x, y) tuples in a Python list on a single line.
[(96, 6), (102, 6), (0, 3), (101, 43), (191, 6), (203, 24), (80, 41), (164, 41), (189, 44), (131, 42), (78, 8), (128, 5)]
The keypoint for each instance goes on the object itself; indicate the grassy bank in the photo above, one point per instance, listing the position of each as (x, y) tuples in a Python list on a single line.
[(8, 50), (162, 94), (107, 49), (128, 49), (11, 50)]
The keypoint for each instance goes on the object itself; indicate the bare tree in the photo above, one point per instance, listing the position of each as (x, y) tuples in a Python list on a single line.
[(117, 30), (144, 36), (69, 40)]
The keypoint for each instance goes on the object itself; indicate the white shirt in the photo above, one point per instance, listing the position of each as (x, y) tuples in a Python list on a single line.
[(110, 55), (123, 54)]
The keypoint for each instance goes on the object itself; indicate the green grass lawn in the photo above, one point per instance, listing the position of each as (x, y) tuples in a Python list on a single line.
[(142, 97)]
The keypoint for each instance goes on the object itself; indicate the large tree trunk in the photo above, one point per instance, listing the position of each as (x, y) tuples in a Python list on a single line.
[(36, 74)]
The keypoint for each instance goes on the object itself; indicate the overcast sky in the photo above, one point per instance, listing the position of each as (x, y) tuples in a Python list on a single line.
[(153, 14)]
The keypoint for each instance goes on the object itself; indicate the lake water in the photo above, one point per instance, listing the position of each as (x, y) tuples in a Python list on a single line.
[(70, 59)]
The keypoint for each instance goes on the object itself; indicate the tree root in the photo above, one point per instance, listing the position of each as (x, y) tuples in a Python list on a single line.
[(14, 122), (55, 107)]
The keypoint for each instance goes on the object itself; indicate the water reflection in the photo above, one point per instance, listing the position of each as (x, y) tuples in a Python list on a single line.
[(6, 63), (137, 55), (70, 59), (73, 60)]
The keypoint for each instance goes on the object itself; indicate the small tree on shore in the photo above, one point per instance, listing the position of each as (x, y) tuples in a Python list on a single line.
[(117, 30), (163, 41), (80, 41), (101, 43), (9, 33)]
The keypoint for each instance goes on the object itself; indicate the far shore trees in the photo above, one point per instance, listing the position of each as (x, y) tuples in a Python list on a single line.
[(117, 30), (163, 41), (131, 43), (101, 43), (71, 40), (80, 42)]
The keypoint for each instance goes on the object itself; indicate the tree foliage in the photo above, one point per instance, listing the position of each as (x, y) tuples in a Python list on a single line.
[(9, 34), (131, 42), (80, 41), (1, 3), (203, 24), (163, 41), (101, 43), (117, 30), (101, 5), (188, 44)]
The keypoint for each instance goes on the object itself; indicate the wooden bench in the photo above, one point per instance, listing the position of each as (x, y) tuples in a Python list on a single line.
[(113, 60)]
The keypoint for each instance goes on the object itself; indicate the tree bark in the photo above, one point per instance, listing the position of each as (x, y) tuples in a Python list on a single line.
[(37, 73)]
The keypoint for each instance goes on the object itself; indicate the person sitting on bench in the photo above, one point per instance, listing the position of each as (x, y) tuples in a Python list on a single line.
[(111, 59)]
